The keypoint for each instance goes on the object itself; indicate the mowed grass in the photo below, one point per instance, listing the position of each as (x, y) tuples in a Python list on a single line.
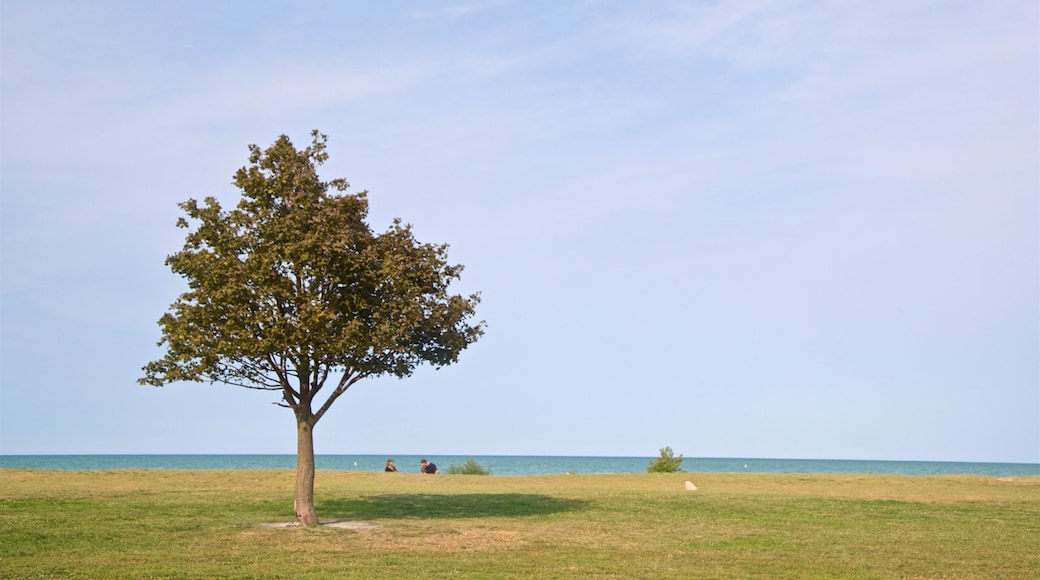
[(193, 524)]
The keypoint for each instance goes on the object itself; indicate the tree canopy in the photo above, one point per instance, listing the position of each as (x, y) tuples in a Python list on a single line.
[(291, 291)]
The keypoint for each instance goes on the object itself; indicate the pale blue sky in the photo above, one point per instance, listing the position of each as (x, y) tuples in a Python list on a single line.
[(739, 229)]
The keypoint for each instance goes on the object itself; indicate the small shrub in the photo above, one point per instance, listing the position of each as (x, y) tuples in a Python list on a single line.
[(471, 467), (666, 463)]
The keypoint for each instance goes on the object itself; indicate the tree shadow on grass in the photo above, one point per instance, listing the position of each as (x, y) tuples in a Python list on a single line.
[(433, 506)]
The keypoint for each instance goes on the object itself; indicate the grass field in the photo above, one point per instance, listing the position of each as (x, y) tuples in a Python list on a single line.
[(195, 524)]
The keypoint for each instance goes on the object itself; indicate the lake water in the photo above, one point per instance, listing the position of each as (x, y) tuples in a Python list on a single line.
[(515, 464)]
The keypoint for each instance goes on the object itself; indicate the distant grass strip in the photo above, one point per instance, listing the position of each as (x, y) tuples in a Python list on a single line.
[(140, 523)]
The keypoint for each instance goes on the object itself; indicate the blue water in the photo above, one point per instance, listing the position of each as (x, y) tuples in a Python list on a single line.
[(515, 465)]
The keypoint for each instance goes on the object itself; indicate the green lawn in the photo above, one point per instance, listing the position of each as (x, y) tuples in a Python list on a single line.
[(193, 524)]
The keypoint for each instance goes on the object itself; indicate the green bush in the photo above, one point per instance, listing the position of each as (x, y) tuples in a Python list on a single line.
[(471, 467), (666, 463)]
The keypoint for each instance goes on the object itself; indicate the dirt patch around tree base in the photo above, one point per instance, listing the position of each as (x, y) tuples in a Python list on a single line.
[(341, 524)]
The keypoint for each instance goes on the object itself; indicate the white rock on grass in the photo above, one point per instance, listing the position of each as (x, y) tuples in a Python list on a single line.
[(690, 486)]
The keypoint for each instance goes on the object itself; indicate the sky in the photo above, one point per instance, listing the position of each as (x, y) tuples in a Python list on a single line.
[(751, 228)]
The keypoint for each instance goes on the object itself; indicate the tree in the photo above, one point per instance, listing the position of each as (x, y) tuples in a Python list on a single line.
[(666, 462), (292, 292)]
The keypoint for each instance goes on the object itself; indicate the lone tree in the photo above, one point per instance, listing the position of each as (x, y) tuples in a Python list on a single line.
[(666, 462), (292, 292)]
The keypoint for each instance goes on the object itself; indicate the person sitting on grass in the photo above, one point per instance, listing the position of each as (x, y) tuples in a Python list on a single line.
[(390, 466), (428, 468)]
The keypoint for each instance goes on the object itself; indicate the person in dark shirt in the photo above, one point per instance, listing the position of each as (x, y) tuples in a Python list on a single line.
[(390, 466), (428, 468)]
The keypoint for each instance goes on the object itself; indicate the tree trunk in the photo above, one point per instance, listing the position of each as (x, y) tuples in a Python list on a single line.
[(304, 502)]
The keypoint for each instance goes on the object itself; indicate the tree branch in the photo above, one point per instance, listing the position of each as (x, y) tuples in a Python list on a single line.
[(292, 398), (344, 384)]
